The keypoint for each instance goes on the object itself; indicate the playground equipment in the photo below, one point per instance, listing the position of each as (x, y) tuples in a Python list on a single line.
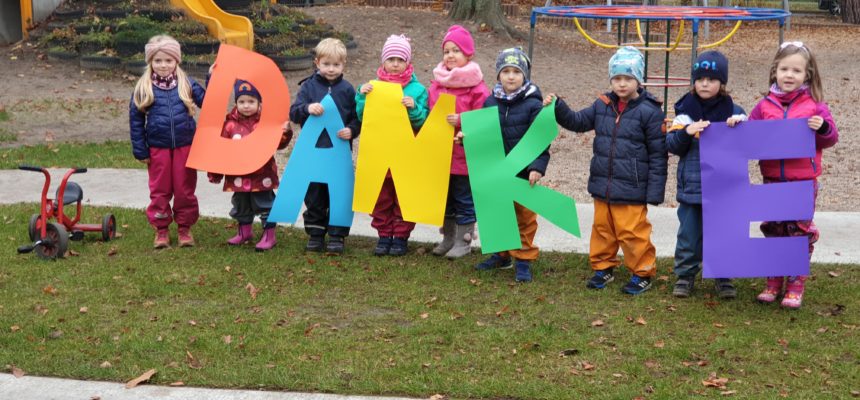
[(693, 16), (228, 28)]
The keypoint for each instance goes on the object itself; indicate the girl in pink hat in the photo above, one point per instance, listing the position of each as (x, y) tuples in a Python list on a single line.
[(161, 121), (458, 75)]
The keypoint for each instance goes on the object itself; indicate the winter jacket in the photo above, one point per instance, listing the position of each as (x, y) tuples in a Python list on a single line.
[(312, 90), (237, 126), (468, 99), (516, 116), (166, 123), (630, 160), (413, 89), (803, 106), (687, 147)]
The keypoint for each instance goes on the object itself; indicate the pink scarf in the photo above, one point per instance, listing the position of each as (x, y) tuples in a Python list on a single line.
[(466, 76), (165, 83), (402, 78), (786, 98)]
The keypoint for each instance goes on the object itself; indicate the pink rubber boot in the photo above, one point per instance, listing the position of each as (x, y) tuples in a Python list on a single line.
[(772, 290), (794, 292), (244, 235), (267, 241)]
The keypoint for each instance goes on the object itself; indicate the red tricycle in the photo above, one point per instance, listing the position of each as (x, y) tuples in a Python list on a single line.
[(51, 239)]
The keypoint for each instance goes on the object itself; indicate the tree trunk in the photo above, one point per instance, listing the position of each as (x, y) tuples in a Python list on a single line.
[(850, 11), (485, 13)]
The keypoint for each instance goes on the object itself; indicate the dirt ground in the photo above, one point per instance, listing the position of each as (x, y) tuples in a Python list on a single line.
[(54, 102)]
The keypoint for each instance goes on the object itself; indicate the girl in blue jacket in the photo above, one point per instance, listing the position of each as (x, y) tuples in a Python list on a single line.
[(161, 121)]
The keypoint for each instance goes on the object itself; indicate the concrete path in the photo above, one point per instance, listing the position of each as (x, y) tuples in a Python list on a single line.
[(128, 188)]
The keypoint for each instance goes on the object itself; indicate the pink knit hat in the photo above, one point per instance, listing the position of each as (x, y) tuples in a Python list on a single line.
[(397, 46), (164, 43), (462, 38)]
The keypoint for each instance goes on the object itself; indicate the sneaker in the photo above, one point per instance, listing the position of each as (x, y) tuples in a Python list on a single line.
[(335, 245), (794, 292), (383, 245), (772, 290), (495, 261), (185, 238), (725, 289), (600, 279), (399, 247), (637, 285), (683, 287), (162, 239), (524, 273), (315, 244)]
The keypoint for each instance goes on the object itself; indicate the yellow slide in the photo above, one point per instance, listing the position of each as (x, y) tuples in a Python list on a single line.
[(228, 28)]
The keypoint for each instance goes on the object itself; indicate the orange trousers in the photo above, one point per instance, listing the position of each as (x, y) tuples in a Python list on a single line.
[(625, 226), (527, 222)]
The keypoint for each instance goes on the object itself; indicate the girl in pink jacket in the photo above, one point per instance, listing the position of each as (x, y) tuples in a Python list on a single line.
[(457, 75)]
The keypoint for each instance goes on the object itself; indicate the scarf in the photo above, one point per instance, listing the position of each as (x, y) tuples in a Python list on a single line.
[(467, 76), (166, 83), (402, 78), (499, 92), (716, 109), (786, 98)]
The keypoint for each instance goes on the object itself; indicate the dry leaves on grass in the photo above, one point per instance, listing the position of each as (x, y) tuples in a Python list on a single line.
[(17, 372), (310, 329), (252, 290), (597, 322), (501, 312), (140, 379), (715, 382), (641, 321), (192, 362), (50, 289)]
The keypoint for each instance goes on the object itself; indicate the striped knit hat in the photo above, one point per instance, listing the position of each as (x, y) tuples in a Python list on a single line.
[(397, 46)]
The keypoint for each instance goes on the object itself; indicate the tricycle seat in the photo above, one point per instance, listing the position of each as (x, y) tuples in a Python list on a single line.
[(73, 193)]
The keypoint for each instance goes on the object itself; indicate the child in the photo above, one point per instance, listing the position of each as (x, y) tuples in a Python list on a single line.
[(519, 102), (254, 193), (162, 128), (396, 67), (327, 79), (795, 92), (707, 101), (457, 75), (628, 171)]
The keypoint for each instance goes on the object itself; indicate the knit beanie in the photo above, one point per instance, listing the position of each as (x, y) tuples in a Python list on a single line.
[(164, 43), (513, 57), (397, 46), (462, 38), (711, 64), (245, 88), (627, 61)]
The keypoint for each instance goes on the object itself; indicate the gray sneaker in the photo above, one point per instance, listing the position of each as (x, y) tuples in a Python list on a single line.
[(725, 289), (683, 287)]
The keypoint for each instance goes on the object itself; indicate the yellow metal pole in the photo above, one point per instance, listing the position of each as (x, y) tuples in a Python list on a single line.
[(26, 17)]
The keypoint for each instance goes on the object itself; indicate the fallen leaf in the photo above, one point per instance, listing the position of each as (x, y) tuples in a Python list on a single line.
[(50, 289), (112, 252), (822, 329), (502, 311), (425, 315), (105, 364), (84, 310), (177, 383), (641, 321), (228, 339), (728, 392), (586, 366), (659, 344), (142, 378), (17, 372), (438, 397), (15, 328), (456, 315), (192, 362), (834, 274), (73, 253), (597, 322), (311, 328), (718, 325), (252, 290)]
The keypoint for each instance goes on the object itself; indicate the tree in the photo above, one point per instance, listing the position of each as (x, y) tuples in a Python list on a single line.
[(850, 11), (487, 13)]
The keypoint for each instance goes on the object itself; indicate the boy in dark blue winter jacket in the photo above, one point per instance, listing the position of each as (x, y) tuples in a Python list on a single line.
[(628, 171), (327, 79)]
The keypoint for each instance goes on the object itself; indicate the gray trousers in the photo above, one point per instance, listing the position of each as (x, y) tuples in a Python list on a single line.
[(246, 205)]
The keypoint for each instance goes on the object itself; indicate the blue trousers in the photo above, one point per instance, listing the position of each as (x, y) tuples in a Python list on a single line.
[(688, 250), (460, 204)]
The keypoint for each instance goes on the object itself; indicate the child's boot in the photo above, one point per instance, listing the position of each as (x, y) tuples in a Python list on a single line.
[(794, 292), (316, 243), (524, 273), (399, 247), (268, 240), (772, 290), (447, 230), (162, 239), (383, 246), (462, 241), (185, 238), (243, 235), (335, 245)]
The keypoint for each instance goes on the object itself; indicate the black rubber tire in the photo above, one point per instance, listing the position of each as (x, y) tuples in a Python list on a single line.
[(54, 244), (108, 227), (33, 228)]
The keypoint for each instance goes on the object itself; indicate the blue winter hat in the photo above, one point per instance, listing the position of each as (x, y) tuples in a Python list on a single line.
[(513, 57), (627, 61), (245, 88), (711, 64)]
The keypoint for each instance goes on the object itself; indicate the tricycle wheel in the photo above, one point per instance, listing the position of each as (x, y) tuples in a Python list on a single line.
[(55, 242), (108, 227), (34, 227)]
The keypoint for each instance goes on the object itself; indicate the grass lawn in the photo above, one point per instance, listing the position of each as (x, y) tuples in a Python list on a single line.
[(110, 154), (411, 326)]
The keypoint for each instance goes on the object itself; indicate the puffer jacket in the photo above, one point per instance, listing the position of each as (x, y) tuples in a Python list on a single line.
[(166, 123), (516, 116), (237, 126), (312, 90), (630, 160), (413, 89)]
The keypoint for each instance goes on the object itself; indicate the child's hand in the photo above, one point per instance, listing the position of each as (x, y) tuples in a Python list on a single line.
[(315, 109), (408, 102), (697, 127), (345, 133), (815, 122), (458, 138), (145, 161), (453, 119), (731, 122), (547, 100), (534, 177), (366, 88)]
